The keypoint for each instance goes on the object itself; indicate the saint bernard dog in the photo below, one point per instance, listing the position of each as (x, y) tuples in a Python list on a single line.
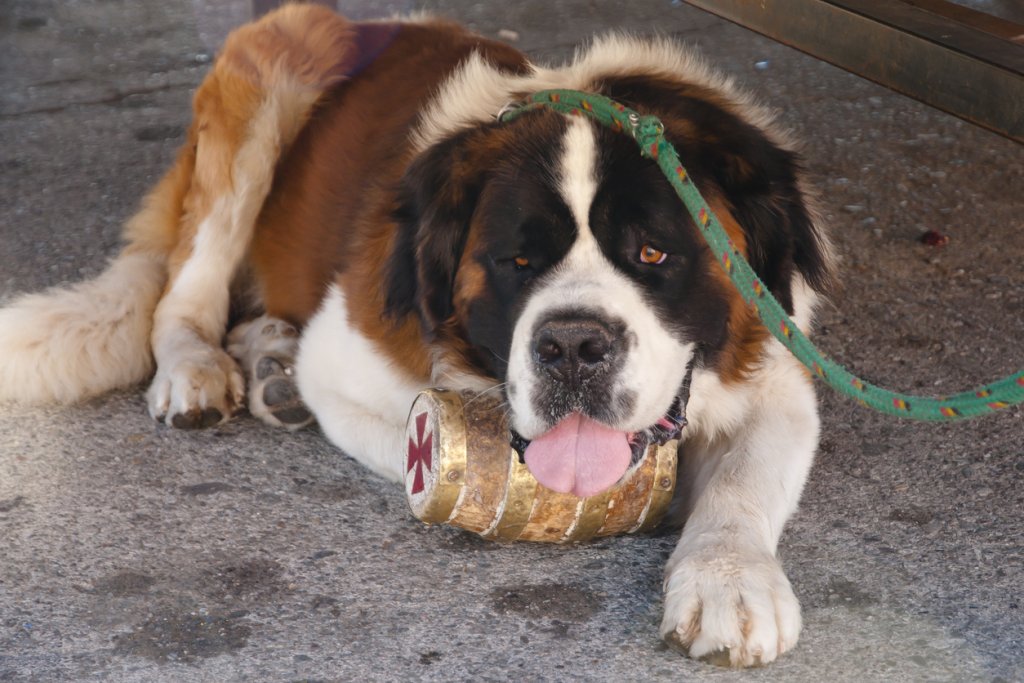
[(348, 222)]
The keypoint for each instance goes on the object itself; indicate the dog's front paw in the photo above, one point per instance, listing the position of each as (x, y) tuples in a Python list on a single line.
[(729, 606), (202, 390)]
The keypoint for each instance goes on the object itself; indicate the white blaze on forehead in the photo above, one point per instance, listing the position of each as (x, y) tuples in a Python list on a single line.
[(578, 181), (584, 271)]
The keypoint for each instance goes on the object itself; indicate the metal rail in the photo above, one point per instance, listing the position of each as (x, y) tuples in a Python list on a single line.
[(961, 61)]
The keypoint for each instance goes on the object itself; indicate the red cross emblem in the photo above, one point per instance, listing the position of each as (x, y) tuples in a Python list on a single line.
[(419, 453)]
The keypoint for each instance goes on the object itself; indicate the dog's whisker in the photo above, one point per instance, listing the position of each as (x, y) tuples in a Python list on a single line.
[(485, 393)]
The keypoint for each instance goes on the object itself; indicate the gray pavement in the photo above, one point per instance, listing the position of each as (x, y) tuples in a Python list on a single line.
[(130, 552)]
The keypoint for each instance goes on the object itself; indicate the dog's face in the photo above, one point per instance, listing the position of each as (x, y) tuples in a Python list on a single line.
[(549, 255)]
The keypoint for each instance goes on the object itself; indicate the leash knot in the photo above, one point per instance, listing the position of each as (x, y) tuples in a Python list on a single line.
[(648, 132)]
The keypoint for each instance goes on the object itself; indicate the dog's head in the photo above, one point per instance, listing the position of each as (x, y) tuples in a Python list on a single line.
[(548, 255)]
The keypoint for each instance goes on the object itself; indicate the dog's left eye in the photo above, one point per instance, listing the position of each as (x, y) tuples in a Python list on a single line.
[(522, 263), (651, 255)]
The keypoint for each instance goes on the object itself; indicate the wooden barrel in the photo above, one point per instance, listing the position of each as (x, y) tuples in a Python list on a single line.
[(462, 470)]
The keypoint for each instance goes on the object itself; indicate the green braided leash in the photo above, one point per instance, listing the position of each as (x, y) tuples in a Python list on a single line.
[(648, 132)]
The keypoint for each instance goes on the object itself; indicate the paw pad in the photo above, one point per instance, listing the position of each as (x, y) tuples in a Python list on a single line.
[(197, 419), (274, 389)]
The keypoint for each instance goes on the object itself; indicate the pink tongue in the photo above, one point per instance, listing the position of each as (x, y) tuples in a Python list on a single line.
[(578, 455)]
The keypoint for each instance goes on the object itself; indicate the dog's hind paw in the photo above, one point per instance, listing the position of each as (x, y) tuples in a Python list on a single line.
[(266, 349), (273, 396)]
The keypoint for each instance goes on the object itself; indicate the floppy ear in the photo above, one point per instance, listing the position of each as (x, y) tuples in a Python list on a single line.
[(758, 177), (760, 180), (435, 205)]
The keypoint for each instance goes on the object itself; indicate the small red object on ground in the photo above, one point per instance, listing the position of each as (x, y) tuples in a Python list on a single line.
[(934, 238)]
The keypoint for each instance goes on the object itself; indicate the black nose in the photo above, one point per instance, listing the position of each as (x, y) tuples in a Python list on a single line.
[(574, 349)]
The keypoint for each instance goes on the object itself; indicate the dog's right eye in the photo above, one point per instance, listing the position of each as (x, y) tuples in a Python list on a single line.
[(521, 266)]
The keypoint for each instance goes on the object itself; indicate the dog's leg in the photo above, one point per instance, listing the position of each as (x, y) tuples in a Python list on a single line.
[(726, 595), (375, 441), (266, 349), (359, 398), (251, 106)]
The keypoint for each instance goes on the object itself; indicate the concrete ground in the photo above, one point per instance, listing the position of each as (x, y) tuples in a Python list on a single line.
[(131, 552)]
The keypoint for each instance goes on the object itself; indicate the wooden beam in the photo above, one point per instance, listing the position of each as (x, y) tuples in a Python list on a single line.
[(966, 70)]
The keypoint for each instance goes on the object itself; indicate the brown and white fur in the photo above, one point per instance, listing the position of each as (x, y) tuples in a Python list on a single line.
[(335, 210)]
